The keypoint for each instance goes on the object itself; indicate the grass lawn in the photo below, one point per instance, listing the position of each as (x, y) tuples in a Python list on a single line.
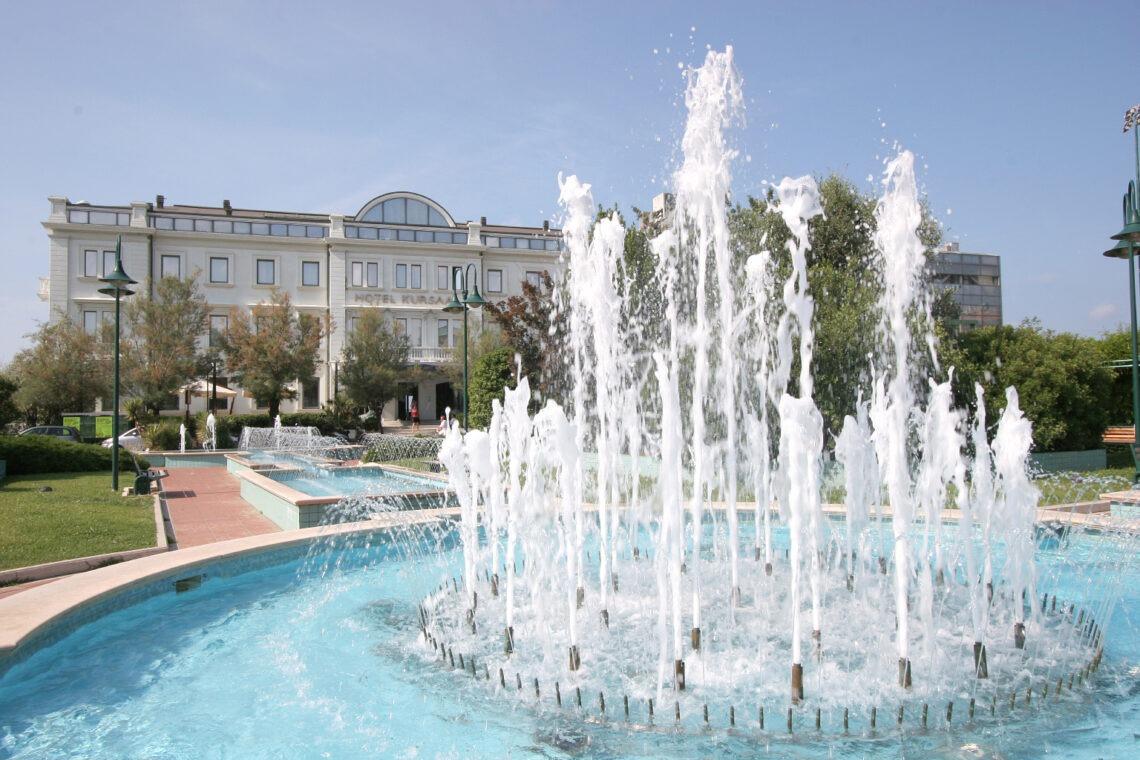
[(79, 517), (1073, 487)]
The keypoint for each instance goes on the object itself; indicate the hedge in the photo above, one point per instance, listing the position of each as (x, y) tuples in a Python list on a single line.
[(35, 454), (229, 426), (385, 447)]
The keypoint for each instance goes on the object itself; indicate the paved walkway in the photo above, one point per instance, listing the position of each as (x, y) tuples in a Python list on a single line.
[(205, 506)]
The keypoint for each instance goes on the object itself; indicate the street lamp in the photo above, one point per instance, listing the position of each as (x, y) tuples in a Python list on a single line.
[(118, 285), (1126, 248), (469, 301)]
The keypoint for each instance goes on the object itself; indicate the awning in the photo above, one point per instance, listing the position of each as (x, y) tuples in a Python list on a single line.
[(205, 388)]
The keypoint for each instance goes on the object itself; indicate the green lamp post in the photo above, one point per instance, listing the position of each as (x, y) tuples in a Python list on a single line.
[(118, 285), (470, 300), (1127, 248)]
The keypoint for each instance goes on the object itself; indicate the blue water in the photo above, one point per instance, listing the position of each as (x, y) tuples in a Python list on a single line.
[(351, 481), (316, 658)]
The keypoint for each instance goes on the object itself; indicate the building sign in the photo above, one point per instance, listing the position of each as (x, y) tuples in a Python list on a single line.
[(408, 299)]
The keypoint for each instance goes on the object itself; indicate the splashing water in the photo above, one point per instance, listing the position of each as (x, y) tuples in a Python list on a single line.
[(619, 522)]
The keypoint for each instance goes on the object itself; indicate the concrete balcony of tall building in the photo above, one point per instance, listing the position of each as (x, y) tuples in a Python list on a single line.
[(44, 291), (423, 355)]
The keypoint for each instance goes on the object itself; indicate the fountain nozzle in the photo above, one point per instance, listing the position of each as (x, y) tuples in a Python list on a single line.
[(797, 683), (679, 675)]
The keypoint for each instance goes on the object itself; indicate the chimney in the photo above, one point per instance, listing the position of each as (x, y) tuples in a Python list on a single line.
[(229, 209), (546, 225), (482, 221), (160, 201)]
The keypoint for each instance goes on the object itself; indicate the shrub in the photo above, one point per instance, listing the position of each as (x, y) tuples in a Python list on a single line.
[(35, 454), (229, 426), (385, 447), (163, 436), (491, 374)]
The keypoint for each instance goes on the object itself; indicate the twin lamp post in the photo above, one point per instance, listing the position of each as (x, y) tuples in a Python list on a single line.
[(1128, 247), (118, 284)]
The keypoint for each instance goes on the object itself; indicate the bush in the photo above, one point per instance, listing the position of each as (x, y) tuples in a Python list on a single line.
[(385, 447), (163, 436), (229, 426), (491, 374), (34, 454)]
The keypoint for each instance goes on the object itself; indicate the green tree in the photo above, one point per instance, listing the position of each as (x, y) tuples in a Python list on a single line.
[(64, 370), (1061, 380), (9, 412), (844, 280), (1116, 346), (534, 327), (272, 346), (160, 344), (493, 372), (374, 362)]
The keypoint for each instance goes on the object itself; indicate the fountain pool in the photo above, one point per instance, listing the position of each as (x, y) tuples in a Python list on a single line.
[(314, 651)]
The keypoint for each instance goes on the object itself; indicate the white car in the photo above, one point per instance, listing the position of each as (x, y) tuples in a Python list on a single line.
[(132, 439)]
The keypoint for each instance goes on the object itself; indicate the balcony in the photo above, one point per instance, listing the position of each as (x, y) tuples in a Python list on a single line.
[(44, 291), (429, 355)]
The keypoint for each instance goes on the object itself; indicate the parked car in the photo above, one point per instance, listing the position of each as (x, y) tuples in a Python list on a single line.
[(62, 432), (132, 439)]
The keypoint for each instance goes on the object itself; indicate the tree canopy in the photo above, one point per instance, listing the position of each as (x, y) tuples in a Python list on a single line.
[(1062, 382), (64, 370), (373, 361), (272, 346), (160, 345)]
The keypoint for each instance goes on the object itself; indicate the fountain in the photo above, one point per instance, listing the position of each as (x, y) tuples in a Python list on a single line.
[(650, 570), (615, 586)]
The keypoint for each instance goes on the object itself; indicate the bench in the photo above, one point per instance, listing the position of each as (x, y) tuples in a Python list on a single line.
[(1119, 436), (145, 479)]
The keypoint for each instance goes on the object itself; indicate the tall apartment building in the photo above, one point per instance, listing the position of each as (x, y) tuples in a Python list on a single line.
[(975, 281), (398, 254)]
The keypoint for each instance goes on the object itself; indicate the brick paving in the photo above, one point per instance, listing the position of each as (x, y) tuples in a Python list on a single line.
[(205, 505)]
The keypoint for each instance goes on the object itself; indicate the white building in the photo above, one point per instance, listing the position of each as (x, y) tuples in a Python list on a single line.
[(397, 254)]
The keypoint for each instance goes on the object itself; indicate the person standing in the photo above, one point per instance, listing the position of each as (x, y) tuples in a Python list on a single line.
[(415, 415)]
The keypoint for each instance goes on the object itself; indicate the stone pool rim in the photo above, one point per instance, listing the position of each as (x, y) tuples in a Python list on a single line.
[(28, 615)]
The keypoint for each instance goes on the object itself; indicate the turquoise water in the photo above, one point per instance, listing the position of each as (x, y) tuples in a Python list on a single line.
[(317, 657), (352, 481)]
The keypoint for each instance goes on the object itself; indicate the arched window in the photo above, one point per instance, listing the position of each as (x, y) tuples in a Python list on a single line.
[(405, 209)]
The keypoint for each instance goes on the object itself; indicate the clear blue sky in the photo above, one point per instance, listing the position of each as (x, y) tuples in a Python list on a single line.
[(1015, 110)]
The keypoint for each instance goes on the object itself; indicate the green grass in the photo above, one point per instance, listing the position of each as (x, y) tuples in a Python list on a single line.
[(1073, 487), (79, 517)]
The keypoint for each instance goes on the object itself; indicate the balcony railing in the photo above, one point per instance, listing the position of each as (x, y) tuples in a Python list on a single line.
[(430, 355), (44, 291)]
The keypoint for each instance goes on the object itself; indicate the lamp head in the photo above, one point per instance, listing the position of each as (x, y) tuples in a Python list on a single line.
[(454, 307), (475, 301)]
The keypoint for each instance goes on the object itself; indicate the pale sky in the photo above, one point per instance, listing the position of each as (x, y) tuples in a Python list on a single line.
[(1014, 110)]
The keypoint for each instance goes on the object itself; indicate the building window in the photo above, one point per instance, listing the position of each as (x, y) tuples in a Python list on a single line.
[(108, 262), (534, 278), (171, 266), (494, 280), (415, 333), (311, 273), (441, 333), (266, 272), (91, 322), (401, 326), (219, 323), (357, 279), (441, 282), (401, 275), (90, 263), (454, 332), (311, 393), (373, 274), (219, 269), (416, 281)]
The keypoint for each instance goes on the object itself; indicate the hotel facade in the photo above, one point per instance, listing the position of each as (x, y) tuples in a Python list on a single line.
[(398, 254)]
